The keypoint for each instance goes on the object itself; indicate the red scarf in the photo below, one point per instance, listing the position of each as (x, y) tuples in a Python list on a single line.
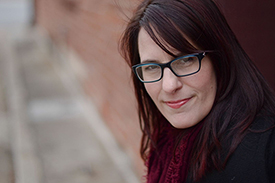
[(168, 165)]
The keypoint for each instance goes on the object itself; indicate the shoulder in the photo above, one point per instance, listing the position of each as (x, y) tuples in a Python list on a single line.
[(254, 159), (263, 123), (262, 134), (256, 152), (260, 137), (258, 144), (270, 154), (268, 139)]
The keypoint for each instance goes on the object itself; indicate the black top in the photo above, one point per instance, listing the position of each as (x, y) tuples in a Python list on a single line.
[(253, 161)]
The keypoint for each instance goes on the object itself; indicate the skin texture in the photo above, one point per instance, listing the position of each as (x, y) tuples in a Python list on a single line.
[(183, 101)]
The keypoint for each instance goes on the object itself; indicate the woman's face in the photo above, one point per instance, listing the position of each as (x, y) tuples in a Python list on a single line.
[(183, 101)]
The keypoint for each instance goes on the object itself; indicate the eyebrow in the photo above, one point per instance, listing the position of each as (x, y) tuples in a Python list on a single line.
[(148, 61)]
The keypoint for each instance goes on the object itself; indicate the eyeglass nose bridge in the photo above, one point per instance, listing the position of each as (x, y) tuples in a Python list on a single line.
[(168, 65)]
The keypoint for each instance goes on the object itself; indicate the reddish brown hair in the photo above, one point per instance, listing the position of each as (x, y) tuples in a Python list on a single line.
[(242, 93)]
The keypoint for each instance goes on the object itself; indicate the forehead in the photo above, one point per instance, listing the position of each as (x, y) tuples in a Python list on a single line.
[(149, 50), (147, 47)]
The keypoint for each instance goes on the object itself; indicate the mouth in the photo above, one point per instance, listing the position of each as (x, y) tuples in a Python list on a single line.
[(178, 103)]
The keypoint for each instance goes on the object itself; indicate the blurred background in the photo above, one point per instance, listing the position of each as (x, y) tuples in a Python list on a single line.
[(67, 105)]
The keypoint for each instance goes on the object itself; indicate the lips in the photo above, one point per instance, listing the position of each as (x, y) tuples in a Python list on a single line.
[(177, 104)]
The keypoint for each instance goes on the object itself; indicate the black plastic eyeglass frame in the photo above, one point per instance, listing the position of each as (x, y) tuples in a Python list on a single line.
[(200, 56)]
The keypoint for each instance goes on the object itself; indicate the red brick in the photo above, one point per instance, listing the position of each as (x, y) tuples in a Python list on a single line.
[(92, 29)]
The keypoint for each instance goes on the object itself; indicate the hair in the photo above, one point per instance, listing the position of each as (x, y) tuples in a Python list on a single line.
[(242, 92)]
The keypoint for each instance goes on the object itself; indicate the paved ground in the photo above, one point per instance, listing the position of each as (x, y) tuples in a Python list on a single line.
[(50, 132)]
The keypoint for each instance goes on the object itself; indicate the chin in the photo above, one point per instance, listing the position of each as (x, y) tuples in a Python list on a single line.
[(181, 124), (182, 121)]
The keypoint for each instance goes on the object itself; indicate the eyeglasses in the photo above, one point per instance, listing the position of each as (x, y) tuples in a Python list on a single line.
[(181, 66)]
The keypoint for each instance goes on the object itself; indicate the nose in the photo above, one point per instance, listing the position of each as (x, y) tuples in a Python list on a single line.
[(170, 82)]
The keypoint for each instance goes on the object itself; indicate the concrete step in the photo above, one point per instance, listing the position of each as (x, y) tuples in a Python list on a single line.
[(56, 132)]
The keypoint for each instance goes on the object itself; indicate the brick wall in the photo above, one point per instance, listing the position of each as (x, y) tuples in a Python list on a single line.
[(92, 28)]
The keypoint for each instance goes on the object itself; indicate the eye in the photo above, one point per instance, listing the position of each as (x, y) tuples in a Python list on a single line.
[(148, 68), (184, 62), (187, 59)]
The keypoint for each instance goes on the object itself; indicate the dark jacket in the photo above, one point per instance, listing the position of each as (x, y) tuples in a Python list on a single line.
[(252, 162)]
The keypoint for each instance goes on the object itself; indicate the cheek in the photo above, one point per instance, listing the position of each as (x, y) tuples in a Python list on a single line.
[(208, 87), (206, 78), (204, 83), (207, 84), (153, 90)]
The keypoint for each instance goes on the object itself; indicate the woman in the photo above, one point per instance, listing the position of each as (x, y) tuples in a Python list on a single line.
[(206, 113)]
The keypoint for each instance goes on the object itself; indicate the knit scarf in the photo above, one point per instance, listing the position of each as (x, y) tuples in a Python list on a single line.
[(167, 164)]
